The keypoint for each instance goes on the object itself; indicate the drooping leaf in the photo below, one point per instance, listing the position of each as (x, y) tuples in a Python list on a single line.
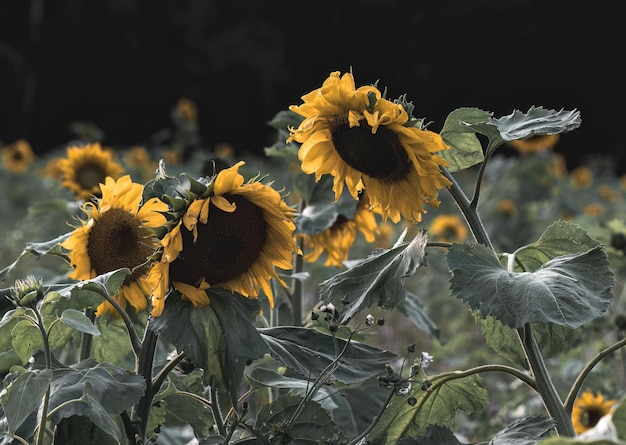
[(79, 321), (309, 352), (446, 398), (79, 429), (114, 388), (24, 395), (97, 414), (313, 426), (434, 435), (415, 311), (92, 292), (377, 280), (52, 247), (536, 121), (465, 148), (219, 338), (560, 238), (568, 290), (525, 431), (320, 215)]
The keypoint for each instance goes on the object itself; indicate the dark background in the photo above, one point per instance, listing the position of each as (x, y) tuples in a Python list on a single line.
[(123, 64)]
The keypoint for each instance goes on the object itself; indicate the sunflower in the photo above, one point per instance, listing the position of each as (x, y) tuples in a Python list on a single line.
[(589, 409), (535, 144), (371, 143), (18, 156), (448, 228), (337, 240), (116, 234), (233, 239), (86, 167)]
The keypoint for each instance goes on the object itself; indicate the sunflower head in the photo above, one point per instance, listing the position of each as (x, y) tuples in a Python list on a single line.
[(449, 228), (224, 233), (588, 409), (366, 141), (535, 144), (18, 156), (86, 167), (117, 233)]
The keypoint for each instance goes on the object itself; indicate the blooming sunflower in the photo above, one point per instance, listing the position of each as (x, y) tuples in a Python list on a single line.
[(535, 144), (118, 233), (18, 156), (589, 409), (448, 228), (86, 167), (369, 142), (232, 238), (337, 240)]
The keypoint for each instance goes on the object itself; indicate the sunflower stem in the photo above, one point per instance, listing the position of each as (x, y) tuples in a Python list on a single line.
[(48, 359), (296, 297), (469, 213), (143, 366)]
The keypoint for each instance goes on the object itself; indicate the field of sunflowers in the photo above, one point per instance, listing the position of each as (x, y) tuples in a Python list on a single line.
[(373, 278)]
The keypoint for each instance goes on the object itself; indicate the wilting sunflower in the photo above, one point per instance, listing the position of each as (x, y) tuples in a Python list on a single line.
[(448, 228), (337, 240), (86, 167), (118, 233), (535, 144), (18, 156), (370, 143), (589, 409), (233, 239)]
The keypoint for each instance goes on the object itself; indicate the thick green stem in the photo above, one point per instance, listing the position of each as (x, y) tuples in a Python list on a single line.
[(544, 384), (145, 359), (48, 359), (298, 288)]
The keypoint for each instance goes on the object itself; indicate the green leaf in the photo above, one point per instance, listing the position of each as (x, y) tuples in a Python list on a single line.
[(309, 352), (219, 338), (465, 148), (114, 388), (313, 426), (438, 406), (525, 431), (376, 280), (96, 289), (97, 414), (552, 339), (113, 346), (536, 121), (79, 321), (319, 216), (415, 311), (26, 339), (24, 395), (52, 247), (434, 435), (568, 290), (79, 429), (560, 238), (619, 419)]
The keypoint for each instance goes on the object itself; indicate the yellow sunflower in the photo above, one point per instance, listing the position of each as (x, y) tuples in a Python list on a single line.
[(589, 409), (448, 228), (18, 156), (368, 142), (233, 239), (86, 167), (337, 240), (535, 144), (116, 234)]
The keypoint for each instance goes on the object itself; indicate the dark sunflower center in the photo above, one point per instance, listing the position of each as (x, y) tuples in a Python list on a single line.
[(17, 156), (592, 416), (117, 240), (379, 155), (227, 246), (90, 176)]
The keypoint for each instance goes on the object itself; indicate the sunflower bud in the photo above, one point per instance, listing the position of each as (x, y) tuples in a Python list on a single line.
[(27, 292)]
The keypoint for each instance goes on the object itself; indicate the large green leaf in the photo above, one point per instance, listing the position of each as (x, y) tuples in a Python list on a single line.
[(113, 387), (79, 321), (26, 339), (219, 338), (442, 403), (569, 290), (313, 426), (525, 431), (465, 148), (24, 395), (79, 429), (536, 121), (376, 280), (90, 293), (96, 412), (560, 238), (309, 352)]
